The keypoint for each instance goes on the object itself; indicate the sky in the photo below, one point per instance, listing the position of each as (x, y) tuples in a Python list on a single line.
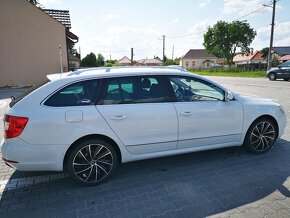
[(113, 27)]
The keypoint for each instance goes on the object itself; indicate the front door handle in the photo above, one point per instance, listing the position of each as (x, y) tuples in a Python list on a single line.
[(186, 113), (118, 117)]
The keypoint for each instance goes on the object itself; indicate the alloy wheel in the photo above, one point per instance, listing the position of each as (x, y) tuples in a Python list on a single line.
[(92, 163), (262, 136)]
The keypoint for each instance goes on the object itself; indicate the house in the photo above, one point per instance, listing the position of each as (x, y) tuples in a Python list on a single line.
[(252, 58), (30, 42), (124, 61), (284, 58), (149, 62), (198, 58), (71, 39), (282, 53)]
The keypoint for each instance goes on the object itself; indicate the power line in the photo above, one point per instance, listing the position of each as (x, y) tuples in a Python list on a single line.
[(192, 34)]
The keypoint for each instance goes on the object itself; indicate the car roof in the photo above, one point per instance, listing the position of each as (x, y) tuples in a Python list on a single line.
[(101, 72)]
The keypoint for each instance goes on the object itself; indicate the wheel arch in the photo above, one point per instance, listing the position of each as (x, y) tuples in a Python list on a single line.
[(268, 117), (89, 137)]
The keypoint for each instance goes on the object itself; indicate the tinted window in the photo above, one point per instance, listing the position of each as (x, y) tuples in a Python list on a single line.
[(77, 94), (193, 89), (128, 90)]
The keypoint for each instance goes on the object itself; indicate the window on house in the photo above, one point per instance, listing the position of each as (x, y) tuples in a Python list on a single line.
[(193, 63), (186, 63)]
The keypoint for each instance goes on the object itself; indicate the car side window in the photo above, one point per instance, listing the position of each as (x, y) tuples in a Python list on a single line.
[(194, 89), (77, 94), (134, 90), (285, 64)]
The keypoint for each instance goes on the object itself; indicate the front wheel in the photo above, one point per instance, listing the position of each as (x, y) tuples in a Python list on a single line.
[(272, 76), (261, 136), (286, 79), (92, 162)]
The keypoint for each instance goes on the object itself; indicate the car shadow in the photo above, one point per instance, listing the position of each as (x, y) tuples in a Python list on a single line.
[(191, 185)]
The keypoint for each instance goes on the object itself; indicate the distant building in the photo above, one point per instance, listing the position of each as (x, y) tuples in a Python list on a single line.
[(149, 62), (253, 60), (284, 58), (124, 61), (29, 43), (198, 58), (282, 53)]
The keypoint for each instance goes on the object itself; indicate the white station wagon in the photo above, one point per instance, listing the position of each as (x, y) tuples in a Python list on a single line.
[(88, 121)]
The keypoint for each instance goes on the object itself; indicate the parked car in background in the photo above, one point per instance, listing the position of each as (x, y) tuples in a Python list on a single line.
[(280, 72), (89, 121), (216, 66)]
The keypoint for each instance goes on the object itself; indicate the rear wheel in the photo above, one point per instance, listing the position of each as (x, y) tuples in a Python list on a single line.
[(261, 136), (92, 162), (272, 76)]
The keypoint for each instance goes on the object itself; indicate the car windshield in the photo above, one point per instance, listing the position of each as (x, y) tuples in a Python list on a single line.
[(285, 64)]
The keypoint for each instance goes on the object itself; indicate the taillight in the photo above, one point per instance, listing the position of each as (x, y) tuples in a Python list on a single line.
[(13, 126)]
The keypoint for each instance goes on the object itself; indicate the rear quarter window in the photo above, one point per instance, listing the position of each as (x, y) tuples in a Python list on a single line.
[(77, 94)]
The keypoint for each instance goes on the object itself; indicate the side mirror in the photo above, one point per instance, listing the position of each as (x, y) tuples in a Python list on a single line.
[(229, 96)]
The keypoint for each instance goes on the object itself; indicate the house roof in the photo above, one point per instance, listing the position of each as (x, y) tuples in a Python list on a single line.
[(284, 58), (283, 50), (71, 36), (254, 56), (152, 61), (198, 54), (124, 60), (60, 15)]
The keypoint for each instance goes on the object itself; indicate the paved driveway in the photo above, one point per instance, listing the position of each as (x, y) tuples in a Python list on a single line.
[(220, 183)]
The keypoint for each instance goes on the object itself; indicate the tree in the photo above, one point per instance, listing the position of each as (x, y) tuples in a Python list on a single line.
[(100, 60), (171, 62), (265, 52), (89, 61), (223, 39)]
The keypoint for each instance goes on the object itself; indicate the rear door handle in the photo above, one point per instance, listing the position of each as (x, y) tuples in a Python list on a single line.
[(186, 113), (118, 117)]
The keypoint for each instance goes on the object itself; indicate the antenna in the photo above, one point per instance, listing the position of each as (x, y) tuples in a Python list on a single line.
[(60, 56)]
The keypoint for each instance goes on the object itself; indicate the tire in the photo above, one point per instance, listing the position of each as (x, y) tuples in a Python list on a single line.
[(286, 79), (92, 162), (272, 76), (261, 136)]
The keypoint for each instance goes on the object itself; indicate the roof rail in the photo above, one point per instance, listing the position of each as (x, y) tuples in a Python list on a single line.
[(80, 71)]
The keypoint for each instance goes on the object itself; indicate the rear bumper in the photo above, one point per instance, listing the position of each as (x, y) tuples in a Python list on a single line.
[(26, 157)]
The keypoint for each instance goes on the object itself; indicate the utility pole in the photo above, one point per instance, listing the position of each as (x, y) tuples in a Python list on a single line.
[(172, 52), (271, 37), (132, 54), (163, 37)]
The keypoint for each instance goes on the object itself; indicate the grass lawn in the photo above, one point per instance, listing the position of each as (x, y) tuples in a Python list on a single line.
[(253, 74)]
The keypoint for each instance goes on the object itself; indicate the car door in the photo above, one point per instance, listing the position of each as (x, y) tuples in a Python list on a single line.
[(205, 118), (139, 110), (284, 70)]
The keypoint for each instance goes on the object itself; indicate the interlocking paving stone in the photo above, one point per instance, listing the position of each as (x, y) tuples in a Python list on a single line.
[(221, 183)]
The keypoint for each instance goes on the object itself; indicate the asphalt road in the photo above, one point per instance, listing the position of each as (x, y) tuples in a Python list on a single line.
[(220, 183)]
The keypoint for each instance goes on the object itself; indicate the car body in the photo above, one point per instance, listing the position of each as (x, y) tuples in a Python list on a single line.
[(88, 121), (216, 66), (280, 72)]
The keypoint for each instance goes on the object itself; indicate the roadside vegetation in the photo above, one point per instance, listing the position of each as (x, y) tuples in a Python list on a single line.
[(230, 72)]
